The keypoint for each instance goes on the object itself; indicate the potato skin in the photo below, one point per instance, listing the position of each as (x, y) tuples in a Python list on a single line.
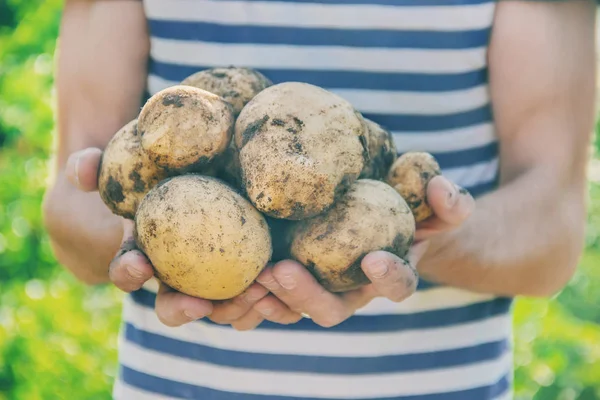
[(126, 173), (371, 216), (300, 147), (409, 175), (183, 128), (237, 85), (203, 238), (382, 151)]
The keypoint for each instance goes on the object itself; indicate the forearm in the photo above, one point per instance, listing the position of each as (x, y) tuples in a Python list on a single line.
[(100, 78), (523, 239)]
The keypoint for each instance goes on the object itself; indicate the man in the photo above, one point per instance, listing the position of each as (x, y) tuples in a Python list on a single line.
[(501, 93)]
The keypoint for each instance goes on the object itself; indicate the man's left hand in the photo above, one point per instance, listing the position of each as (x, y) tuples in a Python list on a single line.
[(295, 291)]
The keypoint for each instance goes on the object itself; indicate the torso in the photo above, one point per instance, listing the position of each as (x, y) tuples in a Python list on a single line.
[(419, 68)]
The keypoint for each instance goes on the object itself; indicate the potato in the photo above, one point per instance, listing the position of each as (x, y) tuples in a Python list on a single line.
[(203, 238), (183, 128), (409, 175), (126, 173), (237, 85), (300, 147), (371, 216), (382, 151)]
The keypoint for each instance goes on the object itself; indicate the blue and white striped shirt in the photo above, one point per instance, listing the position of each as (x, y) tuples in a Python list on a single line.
[(419, 68)]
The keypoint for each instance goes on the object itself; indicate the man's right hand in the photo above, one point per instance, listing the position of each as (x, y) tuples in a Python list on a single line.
[(130, 269)]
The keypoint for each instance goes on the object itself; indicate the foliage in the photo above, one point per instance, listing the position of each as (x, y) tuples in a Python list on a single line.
[(58, 337)]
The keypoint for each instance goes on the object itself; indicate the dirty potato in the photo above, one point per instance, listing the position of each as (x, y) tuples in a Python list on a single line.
[(409, 175), (202, 237), (300, 147), (382, 151), (371, 216), (237, 85), (126, 172), (183, 128)]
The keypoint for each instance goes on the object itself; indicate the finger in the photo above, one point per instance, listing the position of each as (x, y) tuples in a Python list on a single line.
[(248, 322), (274, 310), (231, 310), (451, 206), (298, 289), (362, 296), (391, 276), (130, 268), (450, 203), (82, 169), (416, 252), (175, 309)]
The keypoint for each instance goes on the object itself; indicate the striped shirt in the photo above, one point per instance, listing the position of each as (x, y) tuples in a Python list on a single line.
[(419, 68)]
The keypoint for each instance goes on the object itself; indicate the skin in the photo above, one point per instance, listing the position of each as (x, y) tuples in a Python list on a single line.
[(542, 78)]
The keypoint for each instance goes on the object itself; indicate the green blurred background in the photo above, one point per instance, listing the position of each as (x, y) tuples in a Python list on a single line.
[(58, 338)]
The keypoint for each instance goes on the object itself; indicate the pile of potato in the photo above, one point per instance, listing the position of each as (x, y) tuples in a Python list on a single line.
[(228, 171)]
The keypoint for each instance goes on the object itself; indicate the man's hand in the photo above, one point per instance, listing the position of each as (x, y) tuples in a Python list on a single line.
[(391, 277), (130, 270)]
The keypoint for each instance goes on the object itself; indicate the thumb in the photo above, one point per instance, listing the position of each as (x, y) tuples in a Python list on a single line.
[(82, 169), (451, 204), (417, 251), (130, 268)]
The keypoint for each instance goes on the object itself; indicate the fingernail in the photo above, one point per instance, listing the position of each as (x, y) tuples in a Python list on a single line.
[(287, 281), (134, 272), (452, 196), (379, 269)]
